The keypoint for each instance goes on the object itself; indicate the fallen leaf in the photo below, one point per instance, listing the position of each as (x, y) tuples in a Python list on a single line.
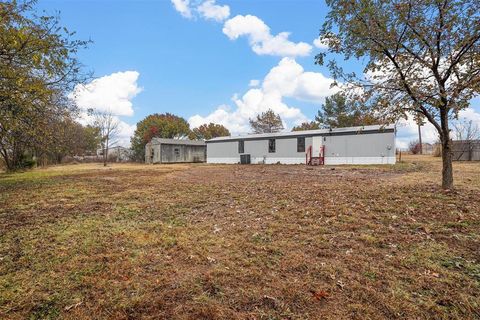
[(73, 306), (319, 295), (340, 284)]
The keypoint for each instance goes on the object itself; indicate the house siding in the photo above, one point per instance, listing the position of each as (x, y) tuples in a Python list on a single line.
[(174, 151), (184, 154), (355, 148)]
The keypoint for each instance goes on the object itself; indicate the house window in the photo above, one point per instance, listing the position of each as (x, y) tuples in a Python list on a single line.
[(177, 151), (301, 144), (271, 145), (241, 146)]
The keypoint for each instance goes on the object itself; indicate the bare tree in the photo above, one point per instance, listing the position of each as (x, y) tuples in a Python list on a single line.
[(108, 126), (465, 131), (415, 147)]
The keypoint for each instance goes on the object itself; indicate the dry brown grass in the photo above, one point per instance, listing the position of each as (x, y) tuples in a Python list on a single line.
[(240, 242)]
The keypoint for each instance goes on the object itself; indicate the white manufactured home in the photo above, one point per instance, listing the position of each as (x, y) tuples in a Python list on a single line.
[(353, 145)]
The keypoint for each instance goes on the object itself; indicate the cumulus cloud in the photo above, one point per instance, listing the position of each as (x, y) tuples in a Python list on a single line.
[(210, 10), (109, 93), (207, 9), (252, 27), (112, 93), (222, 115), (125, 131), (254, 83), (183, 7), (287, 79), (260, 38), (470, 114)]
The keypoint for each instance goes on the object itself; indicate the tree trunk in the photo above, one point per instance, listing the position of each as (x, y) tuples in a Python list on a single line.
[(8, 165), (447, 169), (105, 154)]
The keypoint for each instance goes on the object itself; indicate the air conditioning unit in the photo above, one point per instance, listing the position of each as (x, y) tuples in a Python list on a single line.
[(245, 159)]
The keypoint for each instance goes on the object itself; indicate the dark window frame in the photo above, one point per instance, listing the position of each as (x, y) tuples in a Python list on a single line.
[(241, 146), (272, 146), (301, 144)]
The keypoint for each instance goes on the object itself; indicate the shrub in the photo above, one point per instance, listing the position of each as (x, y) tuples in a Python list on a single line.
[(414, 147)]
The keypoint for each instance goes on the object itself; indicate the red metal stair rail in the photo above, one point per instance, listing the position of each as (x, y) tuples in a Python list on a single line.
[(308, 155), (322, 155), (311, 160)]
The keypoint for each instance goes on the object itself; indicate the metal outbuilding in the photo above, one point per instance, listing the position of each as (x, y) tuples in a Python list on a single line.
[(466, 150), (160, 150), (353, 145)]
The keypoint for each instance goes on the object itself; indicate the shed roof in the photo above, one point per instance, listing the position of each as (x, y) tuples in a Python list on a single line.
[(183, 142), (318, 132)]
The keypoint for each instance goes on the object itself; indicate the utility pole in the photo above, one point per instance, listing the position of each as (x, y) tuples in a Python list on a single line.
[(420, 137), (420, 121)]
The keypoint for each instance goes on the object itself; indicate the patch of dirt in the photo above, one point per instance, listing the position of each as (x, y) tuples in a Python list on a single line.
[(241, 242)]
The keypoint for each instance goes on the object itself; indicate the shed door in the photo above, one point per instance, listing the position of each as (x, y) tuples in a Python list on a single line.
[(177, 150), (317, 142)]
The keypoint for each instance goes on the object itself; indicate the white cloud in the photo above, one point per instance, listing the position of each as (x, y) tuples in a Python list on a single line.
[(320, 44), (210, 10), (125, 131), (470, 114), (207, 9), (260, 38), (258, 33), (222, 115), (112, 93), (109, 93), (254, 83), (287, 79), (249, 25), (183, 7)]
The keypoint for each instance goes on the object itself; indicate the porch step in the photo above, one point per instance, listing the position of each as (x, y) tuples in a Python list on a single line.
[(316, 161)]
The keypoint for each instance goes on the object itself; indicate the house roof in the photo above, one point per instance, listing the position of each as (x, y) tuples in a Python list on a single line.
[(318, 132), (184, 142)]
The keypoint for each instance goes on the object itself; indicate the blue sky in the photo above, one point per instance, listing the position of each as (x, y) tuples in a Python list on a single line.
[(196, 59)]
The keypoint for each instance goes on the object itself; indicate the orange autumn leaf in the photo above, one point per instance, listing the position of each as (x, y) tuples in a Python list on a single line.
[(320, 294)]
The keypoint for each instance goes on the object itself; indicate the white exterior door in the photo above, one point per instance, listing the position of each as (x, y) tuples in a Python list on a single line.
[(317, 143)]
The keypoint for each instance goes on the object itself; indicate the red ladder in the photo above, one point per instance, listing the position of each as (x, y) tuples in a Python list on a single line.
[(310, 160)]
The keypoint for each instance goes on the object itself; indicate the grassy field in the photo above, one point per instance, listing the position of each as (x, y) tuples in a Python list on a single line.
[(240, 242)]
